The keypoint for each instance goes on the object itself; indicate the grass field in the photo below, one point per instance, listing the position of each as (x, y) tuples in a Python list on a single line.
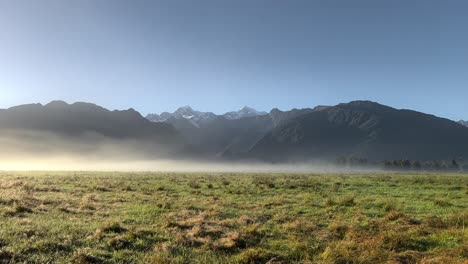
[(88, 217)]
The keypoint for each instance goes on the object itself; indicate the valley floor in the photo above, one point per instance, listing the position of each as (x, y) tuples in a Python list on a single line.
[(88, 217)]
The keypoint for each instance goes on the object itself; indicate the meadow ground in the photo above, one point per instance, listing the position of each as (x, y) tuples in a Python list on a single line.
[(88, 217)]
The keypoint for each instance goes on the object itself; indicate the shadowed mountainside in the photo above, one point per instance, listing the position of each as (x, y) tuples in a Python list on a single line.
[(230, 135), (365, 129), (84, 127)]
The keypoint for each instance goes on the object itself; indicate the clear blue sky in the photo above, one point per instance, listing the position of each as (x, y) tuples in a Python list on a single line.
[(220, 55)]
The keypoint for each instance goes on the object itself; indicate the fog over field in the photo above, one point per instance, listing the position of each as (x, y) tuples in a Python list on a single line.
[(43, 151), (70, 163), (47, 154)]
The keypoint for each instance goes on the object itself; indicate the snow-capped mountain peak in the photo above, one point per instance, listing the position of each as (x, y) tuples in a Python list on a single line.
[(184, 112), (244, 112)]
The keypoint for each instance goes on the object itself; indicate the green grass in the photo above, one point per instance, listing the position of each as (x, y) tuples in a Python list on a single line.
[(89, 217)]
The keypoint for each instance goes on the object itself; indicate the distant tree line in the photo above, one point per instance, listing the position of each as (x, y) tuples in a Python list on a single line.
[(454, 165)]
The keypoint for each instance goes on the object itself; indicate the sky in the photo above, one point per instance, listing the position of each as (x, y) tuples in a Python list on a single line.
[(220, 55)]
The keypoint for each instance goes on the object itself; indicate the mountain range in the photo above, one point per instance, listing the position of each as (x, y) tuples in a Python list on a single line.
[(465, 123), (230, 135), (84, 128), (197, 117), (361, 129)]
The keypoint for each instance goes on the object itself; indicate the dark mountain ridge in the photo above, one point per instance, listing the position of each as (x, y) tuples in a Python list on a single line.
[(365, 129), (81, 126), (361, 129)]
